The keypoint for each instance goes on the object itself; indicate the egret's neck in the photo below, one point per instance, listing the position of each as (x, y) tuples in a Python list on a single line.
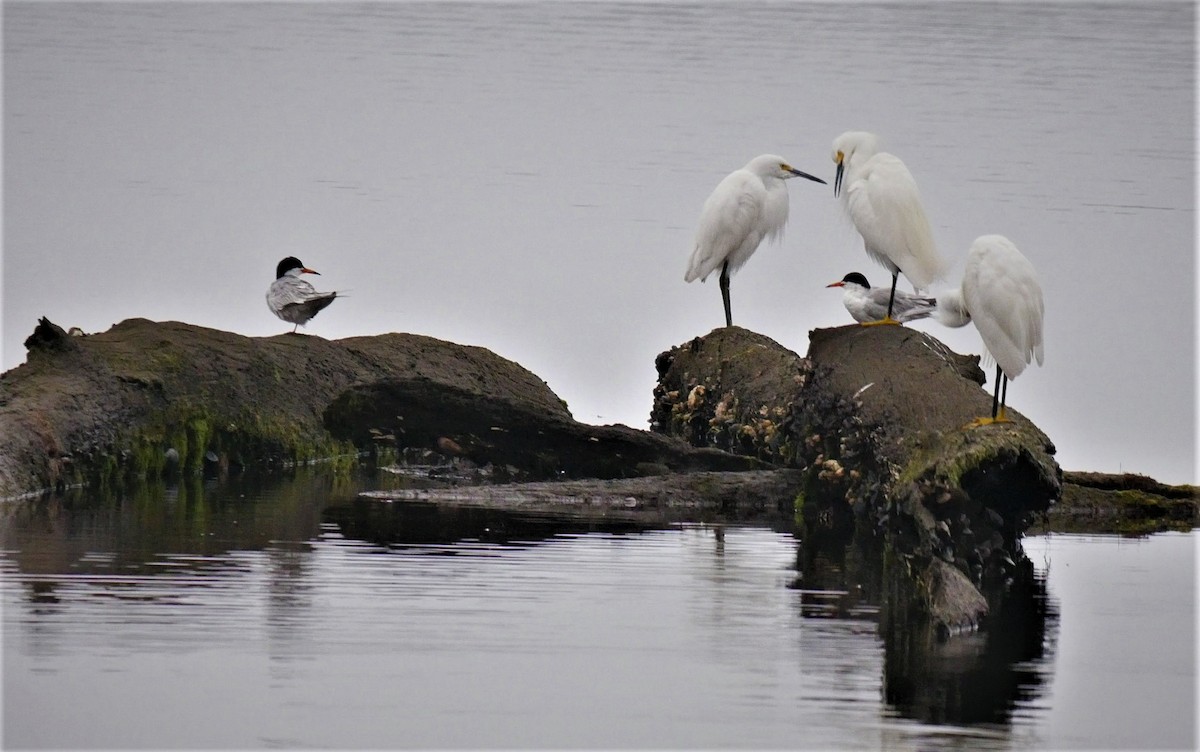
[(856, 162), (951, 309)]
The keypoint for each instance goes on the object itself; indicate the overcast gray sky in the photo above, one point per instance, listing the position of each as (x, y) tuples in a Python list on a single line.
[(528, 177)]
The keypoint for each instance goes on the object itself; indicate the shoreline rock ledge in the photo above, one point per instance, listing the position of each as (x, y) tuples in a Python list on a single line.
[(148, 399), (900, 499)]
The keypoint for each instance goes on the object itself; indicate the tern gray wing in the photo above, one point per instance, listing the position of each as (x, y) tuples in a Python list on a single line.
[(302, 312), (911, 307), (295, 300)]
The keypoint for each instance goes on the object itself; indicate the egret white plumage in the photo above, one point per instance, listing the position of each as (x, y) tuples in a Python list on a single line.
[(870, 304), (293, 299), (883, 202), (747, 206), (1001, 294)]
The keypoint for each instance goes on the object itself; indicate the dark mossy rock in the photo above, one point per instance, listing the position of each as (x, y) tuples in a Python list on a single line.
[(730, 390), (878, 419), (886, 402), (1122, 504), (499, 430), (115, 404), (146, 399)]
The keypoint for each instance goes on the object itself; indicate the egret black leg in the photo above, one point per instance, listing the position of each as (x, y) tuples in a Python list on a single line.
[(1004, 399), (725, 292), (998, 399), (996, 396), (892, 297), (891, 301)]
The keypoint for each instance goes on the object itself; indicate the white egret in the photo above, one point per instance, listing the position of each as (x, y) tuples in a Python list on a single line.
[(1001, 294), (870, 304), (293, 299), (748, 205), (882, 200)]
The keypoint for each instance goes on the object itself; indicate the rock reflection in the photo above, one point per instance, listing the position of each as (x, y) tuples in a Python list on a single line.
[(976, 678), (939, 679), (155, 529), (421, 523)]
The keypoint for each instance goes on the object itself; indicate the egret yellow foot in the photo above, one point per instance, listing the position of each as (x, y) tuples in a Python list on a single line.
[(1000, 418), (884, 320)]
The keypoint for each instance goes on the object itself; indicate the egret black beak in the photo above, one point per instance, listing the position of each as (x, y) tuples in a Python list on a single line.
[(799, 174), (837, 181)]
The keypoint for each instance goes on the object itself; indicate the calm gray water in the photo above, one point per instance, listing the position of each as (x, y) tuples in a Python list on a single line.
[(288, 613), (527, 177)]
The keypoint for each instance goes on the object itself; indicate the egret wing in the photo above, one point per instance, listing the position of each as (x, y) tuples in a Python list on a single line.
[(1002, 294), (885, 206), (728, 222)]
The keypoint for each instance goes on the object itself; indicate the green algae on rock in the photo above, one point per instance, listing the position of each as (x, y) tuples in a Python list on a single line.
[(1120, 504)]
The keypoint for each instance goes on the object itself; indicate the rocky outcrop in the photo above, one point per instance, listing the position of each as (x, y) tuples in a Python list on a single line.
[(145, 399), (895, 482), (732, 390), (1122, 504), (863, 443), (516, 439)]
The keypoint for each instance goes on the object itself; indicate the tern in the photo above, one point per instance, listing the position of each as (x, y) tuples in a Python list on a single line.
[(293, 299), (870, 304)]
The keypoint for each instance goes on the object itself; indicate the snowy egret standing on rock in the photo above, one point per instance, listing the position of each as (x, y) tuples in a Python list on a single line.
[(882, 200), (1001, 294), (748, 205), (870, 304), (293, 299)]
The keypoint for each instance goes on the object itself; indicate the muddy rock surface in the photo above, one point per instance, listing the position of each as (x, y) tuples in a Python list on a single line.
[(146, 398)]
